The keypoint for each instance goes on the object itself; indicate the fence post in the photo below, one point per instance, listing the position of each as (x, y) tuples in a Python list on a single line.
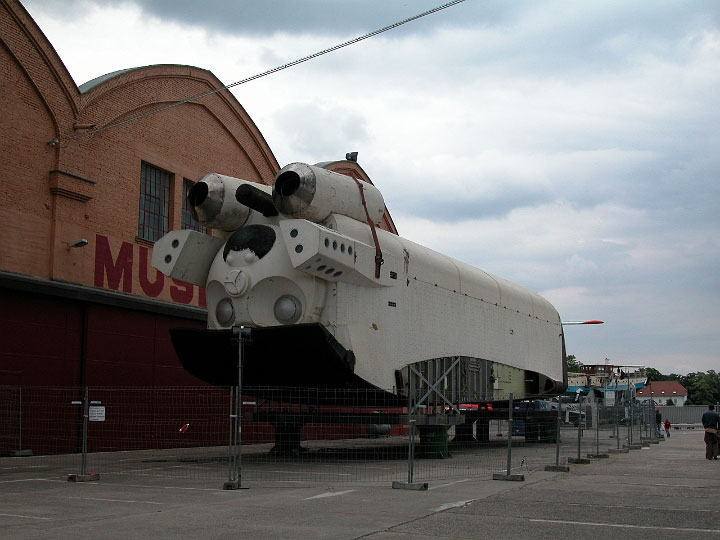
[(20, 422), (411, 436), (579, 459), (653, 431), (84, 476), (632, 408), (86, 415), (235, 476), (508, 475), (557, 467), (617, 424), (557, 435), (597, 429), (412, 414), (630, 421), (597, 453), (510, 426), (579, 426), (231, 423), (643, 423)]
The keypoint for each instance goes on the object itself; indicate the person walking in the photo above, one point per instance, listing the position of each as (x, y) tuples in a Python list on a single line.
[(668, 425), (658, 422), (711, 423)]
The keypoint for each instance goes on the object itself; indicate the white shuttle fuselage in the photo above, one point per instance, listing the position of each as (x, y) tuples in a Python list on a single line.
[(307, 254)]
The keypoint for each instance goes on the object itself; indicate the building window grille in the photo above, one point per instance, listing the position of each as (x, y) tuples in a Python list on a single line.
[(154, 198), (188, 222)]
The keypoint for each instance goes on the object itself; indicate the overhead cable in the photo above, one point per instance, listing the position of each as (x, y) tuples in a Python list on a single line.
[(259, 75)]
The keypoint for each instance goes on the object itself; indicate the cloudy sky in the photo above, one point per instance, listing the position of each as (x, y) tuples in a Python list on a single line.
[(571, 147)]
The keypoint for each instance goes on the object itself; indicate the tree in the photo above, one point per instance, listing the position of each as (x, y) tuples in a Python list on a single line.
[(654, 375), (703, 388), (573, 366)]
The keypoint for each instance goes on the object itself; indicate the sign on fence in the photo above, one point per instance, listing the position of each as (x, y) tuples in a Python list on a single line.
[(96, 413)]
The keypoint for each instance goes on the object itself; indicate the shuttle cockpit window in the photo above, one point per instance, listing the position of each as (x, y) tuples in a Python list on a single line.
[(248, 244)]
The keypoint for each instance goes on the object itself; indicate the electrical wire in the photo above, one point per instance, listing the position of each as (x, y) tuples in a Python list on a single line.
[(259, 75)]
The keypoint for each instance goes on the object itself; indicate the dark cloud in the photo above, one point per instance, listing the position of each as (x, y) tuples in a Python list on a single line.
[(663, 19), (451, 207), (299, 17)]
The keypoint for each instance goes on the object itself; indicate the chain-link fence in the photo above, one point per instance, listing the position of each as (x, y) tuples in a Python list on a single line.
[(114, 430), (286, 436)]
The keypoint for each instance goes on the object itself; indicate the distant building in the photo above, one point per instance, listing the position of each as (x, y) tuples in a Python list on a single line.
[(663, 392), (611, 383)]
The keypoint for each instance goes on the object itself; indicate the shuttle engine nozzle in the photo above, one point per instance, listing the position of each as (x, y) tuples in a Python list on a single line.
[(303, 191), (213, 201)]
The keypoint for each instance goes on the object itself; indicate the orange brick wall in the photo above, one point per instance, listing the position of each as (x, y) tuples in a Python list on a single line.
[(88, 186), (24, 163)]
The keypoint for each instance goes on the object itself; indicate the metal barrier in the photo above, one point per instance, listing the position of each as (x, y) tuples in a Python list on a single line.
[(304, 435), (689, 415)]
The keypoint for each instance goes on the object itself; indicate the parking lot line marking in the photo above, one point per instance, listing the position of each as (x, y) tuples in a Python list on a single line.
[(330, 494), (661, 485), (450, 484), (107, 483), (622, 526), (447, 506), (114, 500), (25, 480), (24, 517), (630, 506)]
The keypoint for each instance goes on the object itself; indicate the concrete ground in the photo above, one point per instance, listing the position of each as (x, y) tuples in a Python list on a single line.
[(666, 491)]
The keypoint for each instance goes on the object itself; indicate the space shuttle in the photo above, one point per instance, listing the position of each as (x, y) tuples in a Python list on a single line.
[(333, 301)]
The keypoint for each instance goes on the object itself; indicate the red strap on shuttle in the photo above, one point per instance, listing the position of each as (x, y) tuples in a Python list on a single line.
[(378, 252)]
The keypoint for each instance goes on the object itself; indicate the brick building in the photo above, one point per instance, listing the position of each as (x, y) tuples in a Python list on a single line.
[(82, 205)]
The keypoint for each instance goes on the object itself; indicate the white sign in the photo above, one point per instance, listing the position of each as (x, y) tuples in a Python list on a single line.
[(96, 414)]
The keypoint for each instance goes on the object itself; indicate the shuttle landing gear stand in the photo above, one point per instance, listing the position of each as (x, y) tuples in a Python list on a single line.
[(464, 433), (434, 442), (287, 435)]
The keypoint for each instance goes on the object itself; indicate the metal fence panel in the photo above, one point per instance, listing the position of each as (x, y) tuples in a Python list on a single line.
[(303, 435), (11, 418), (154, 431), (689, 414)]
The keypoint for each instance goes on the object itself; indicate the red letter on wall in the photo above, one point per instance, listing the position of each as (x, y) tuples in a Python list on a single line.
[(150, 288), (115, 270), (183, 293)]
